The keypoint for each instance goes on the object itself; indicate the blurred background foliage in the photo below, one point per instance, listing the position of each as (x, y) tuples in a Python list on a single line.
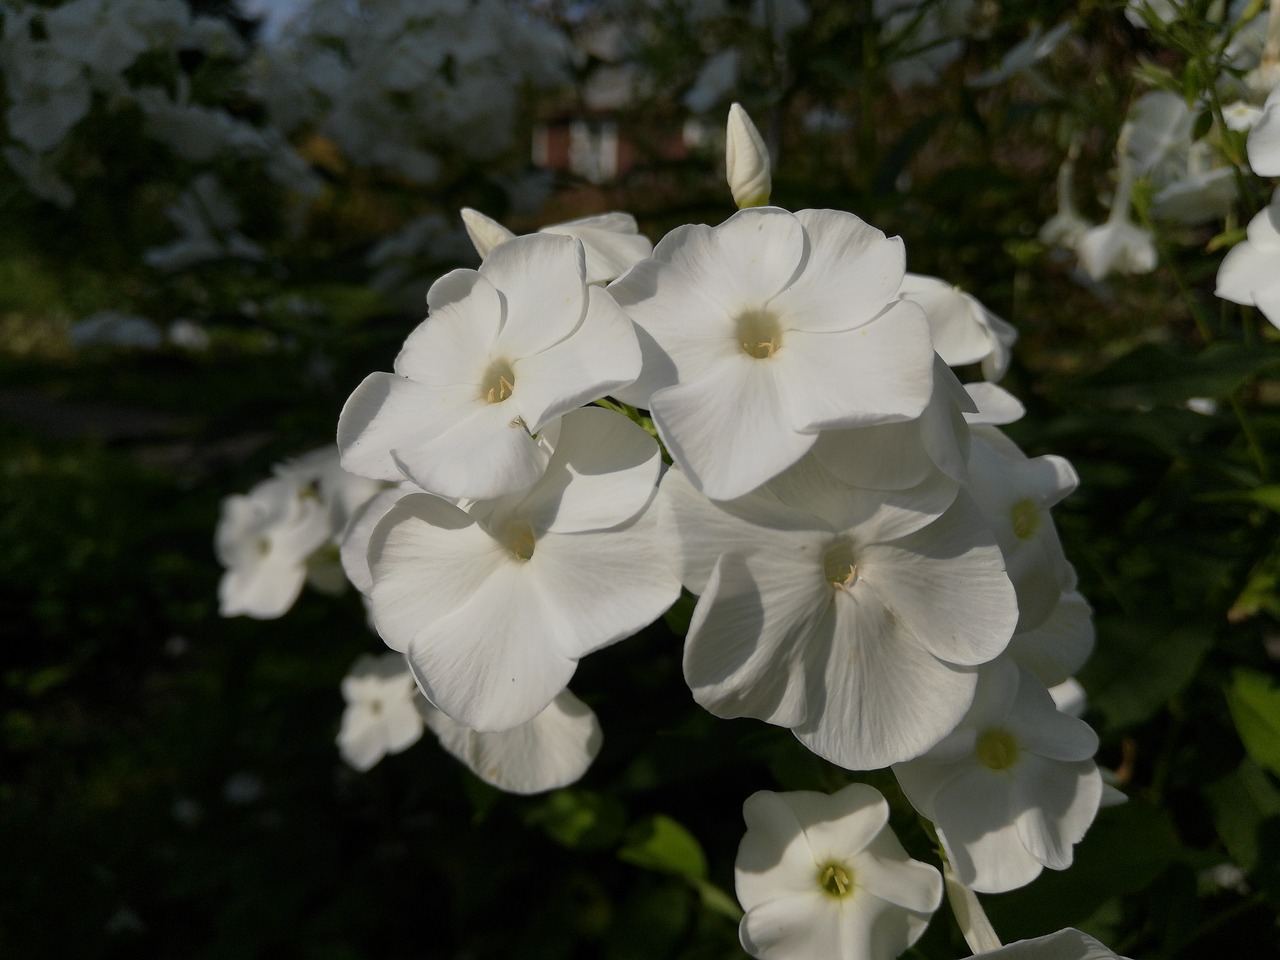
[(169, 784)]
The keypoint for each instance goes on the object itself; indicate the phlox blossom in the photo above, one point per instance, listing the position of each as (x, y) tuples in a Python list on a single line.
[(853, 617), (763, 331), (381, 715), (494, 605), (963, 330), (506, 351), (824, 876), (1013, 788), (1249, 274)]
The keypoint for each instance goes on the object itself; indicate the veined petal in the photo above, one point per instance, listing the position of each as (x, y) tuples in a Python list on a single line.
[(882, 697), (745, 261), (895, 877), (1055, 803), (603, 471), (487, 454), (453, 344), (542, 280), (1059, 646), (603, 585), (946, 583), (355, 540), (389, 413), (428, 559), (850, 272), (880, 372), (796, 925), (494, 662), (1045, 731), (552, 750), (729, 430), (975, 822), (597, 358), (746, 649)]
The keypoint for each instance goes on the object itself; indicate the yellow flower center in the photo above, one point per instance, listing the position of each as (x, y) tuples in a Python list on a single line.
[(498, 382), (520, 540), (839, 565), (1025, 517), (759, 334), (997, 749), (835, 879)]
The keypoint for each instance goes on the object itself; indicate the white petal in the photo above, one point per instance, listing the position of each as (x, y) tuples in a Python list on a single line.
[(454, 343), (1055, 804), (605, 585), (428, 559), (745, 261), (1059, 647), (745, 653), (263, 591), (775, 858), (495, 662), (888, 872), (975, 821), (1065, 944), (877, 696), (485, 232), (878, 373), (1263, 145), (996, 406), (604, 471), (788, 927), (1246, 269), (355, 539), (599, 357), (612, 243), (947, 585), (359, 740), (851, 271), (541, 277), (552, 750), (728, 429), (958, 335)]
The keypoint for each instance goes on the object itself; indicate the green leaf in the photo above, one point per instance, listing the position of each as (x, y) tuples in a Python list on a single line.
[(1255, 708), (1138, 666), (580, 819), (659, 843), (1240, 802), (717, 901)]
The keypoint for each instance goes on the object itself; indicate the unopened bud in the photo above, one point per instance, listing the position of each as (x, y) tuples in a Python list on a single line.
[(485, 232), (746, 161)]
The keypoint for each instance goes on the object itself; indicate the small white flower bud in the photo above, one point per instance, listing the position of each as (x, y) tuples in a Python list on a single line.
[(485, 232), (746, 161)]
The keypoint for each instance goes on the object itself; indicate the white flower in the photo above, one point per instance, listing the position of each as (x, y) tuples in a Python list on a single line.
[(270, 539), (1250, 272), (381, 715), (853, 617), (1157, 135), (1059, 646), (612, 242), (1068, 944), (1067, 226), (506, 351), (824, 876), (746, 160), (1263, 145), (1013, 788), (552, 750), (495, 605), (1023, 56), (1117, 246), (767, 329), (1240, 115), (963, 330)]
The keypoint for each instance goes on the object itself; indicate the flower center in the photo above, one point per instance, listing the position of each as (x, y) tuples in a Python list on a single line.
[(498, 382), (759, 334), (375, 707), (1025, 517), (520, 540), (836, 880), (839, 565), (997, 749)]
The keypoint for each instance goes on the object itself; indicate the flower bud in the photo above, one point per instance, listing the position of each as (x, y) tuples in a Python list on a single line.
[(485, 232), (746, 161)]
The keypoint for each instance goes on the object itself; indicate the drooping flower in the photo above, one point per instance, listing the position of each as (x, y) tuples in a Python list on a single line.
[(1013, 788), (762, 332), (381, 715), (494, 605), (1249, 273), (824, 876), (552, 750), (506, 351), (853, 617), (612, 242)]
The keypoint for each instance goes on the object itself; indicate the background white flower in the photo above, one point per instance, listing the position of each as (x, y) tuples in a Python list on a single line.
[(824, 876), (381, 715)]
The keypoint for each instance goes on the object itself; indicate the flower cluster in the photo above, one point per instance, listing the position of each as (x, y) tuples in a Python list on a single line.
[(875, 561)]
